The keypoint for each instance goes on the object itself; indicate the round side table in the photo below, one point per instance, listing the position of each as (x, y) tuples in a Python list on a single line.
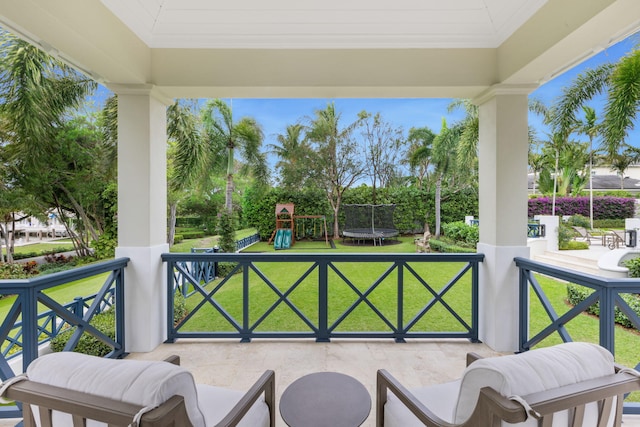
[(325, 399)]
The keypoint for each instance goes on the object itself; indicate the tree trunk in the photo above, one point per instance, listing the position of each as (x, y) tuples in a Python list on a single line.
[(173, 208), (438, 195), (228, 198)]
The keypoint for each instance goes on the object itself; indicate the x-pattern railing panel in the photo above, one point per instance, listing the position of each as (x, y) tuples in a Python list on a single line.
[(35, 317), (606, 292), (326, 273)]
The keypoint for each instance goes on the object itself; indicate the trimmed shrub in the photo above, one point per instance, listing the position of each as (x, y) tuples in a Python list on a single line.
[(440, 246), (634, 267), (573, 245), (105, 322), (461, 233), (177, 238), (608, 223), (576, 294)]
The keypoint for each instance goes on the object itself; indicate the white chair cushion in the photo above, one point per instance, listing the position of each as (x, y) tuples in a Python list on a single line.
[(440, 399), (216, 402), (145, 383), (531, 372)]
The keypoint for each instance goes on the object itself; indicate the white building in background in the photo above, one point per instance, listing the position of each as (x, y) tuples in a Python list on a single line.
[(31, 228)]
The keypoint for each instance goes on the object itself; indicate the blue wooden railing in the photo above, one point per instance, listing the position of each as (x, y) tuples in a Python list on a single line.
[(34, 317), (28, 324), (324, 274), (607, 293), (247, 241), (50, 324)]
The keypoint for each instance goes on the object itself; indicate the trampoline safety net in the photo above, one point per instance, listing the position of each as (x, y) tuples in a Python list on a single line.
[(369, 218)]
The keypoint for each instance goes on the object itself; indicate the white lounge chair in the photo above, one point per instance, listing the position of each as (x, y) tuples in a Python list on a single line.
[(70, 389)]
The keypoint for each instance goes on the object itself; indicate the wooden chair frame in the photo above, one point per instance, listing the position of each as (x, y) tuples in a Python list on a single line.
[(492, 408), (83, 406)]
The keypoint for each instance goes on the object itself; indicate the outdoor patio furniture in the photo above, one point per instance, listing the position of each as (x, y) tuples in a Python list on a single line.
[(582, 233), (544, 387), (69, 389), (325, 399), (613, 239)]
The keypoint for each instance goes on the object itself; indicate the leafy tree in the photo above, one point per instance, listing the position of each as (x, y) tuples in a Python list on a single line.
[(47, 147), (383, 146), (337, 165), (226, 138)]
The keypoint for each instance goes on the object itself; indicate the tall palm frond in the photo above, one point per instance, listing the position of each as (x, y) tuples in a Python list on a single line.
[(623, 101)]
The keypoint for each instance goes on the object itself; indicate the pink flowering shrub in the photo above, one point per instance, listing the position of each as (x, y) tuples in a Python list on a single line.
[(603, 207)]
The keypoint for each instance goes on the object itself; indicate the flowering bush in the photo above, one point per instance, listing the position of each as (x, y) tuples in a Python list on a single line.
[(603, 207)]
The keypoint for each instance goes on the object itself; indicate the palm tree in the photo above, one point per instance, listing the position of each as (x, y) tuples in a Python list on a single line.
[(421, 140), (185, 148), (591, 128), (37, 91), (469, 134), (445, 148), (619, 164), (227, 138), (620, 82), (292, 152)]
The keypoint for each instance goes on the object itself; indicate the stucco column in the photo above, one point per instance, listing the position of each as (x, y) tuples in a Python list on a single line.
[(503, 148), (142, 212)]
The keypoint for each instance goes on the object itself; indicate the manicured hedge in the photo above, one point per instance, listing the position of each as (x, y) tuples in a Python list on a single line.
[(413, 206), (576, 294), (603, 207)]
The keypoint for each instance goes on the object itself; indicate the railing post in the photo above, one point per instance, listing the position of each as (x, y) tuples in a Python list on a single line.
[(475, 293), (171, 287), (323, 303), (607, 318), (399, 335), (78, 306), (523, 326), (246, 333), (30, 329), (119, 306)]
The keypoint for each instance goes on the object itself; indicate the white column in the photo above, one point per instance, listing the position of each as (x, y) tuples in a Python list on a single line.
[(503, 148), (142, 212)]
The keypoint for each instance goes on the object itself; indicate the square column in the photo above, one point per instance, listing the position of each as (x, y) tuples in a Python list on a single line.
[(503, 149), (142, 213)]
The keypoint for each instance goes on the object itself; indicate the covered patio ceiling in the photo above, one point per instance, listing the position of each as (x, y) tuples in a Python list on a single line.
[(333, 48)]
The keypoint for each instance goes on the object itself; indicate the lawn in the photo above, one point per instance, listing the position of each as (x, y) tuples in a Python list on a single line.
[(57, 245)]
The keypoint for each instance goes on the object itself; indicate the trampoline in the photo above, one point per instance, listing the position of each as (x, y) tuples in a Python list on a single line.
[(369, 222)]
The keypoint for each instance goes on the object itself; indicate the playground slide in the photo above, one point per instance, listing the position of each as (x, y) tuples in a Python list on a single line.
[(283, 239)]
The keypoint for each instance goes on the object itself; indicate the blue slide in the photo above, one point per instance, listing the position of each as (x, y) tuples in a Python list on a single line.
[(283, 239)]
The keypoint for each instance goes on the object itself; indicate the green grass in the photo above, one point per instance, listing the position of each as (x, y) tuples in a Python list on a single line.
[(209, 241), (62, 246)]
